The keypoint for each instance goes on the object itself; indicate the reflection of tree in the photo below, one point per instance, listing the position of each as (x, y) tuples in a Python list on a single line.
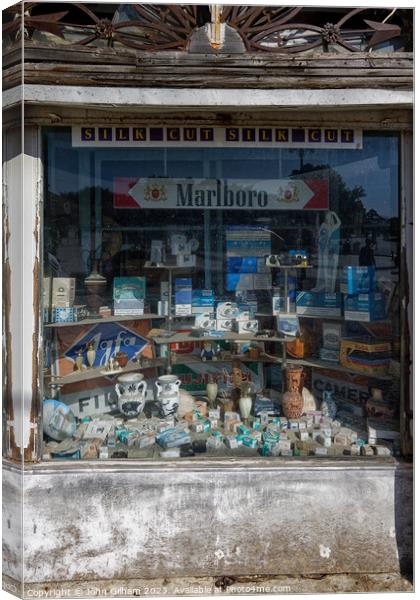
[(344, 201)]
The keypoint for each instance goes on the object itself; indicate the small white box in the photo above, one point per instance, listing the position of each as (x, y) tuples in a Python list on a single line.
[(186, 260), (331, 335), (179, 244), (205, 321), (63, 291), (183, 310), (246, 326), (227, 310), (224, 324)]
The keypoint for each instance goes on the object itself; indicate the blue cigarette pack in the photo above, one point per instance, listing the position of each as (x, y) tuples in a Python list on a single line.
[(359, 280), (364, 307)]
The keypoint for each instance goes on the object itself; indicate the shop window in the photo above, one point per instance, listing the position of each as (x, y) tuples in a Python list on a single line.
[(220, 301)]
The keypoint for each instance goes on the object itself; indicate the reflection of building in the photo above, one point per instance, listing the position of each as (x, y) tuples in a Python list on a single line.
[(148, 67)]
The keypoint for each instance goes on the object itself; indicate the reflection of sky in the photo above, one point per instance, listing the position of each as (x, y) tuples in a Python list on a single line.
[(375, 167)]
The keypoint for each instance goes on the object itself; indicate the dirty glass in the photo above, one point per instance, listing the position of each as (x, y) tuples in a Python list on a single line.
[(223, 325)]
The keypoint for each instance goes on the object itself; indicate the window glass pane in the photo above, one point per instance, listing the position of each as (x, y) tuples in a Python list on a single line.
[(284, 314)]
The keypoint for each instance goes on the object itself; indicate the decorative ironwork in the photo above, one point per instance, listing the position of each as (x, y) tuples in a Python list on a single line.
[(150, 27)]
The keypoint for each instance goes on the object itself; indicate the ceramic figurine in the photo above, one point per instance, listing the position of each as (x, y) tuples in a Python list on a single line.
[(328, 406), (292, 401), (79, 360), (207, 353), (309, 402), (211, 391), (131, 392), (168, 395), (122, 358), (245, 401), (328, 252), (91, 354)]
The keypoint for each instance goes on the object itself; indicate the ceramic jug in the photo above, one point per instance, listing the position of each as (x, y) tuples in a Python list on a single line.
[(131, 392), (168, 394)]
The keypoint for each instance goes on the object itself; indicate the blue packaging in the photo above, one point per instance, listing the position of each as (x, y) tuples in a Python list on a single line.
[(318, 304), (183, 290), (69, 314), (237, 264), (359, 280), (364, 307)]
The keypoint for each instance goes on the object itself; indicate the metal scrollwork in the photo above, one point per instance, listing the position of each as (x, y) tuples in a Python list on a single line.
[(153, 27)]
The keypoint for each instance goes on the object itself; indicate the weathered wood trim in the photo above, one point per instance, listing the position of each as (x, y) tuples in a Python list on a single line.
[(73, 65), (23, 174), (232, 99), (379, 119)]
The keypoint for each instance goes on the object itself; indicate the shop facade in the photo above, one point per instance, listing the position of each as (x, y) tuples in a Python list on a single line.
[(208, 292)]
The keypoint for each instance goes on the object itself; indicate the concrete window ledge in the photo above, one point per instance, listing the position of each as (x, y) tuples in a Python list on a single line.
[(120, 520)]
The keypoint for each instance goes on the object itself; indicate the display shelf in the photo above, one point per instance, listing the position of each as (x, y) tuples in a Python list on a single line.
[(116, 319), (195, 359), (321, 364), (227, 337), (327, 318), (97, 372), (290, 267)]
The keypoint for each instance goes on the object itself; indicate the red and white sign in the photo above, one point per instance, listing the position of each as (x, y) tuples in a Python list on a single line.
[(222, 194)]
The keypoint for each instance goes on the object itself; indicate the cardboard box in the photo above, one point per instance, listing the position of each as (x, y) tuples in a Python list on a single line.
[(183, 291), (332, 333), (359, 280), (246, 326), (183, 310), (318, 304), (186, 260), (129, 288), (71, 314), (224, 324), (205, 321), (370, 357), (364, 307), (329, 355), (238, 264), (129, 307), (63, 291), (227, 310)]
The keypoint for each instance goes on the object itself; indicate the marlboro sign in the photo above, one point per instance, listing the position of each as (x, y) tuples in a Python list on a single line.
[(224, 194)]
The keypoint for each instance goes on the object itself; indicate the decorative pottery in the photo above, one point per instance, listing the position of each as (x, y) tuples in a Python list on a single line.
[(58, 420), (131, 392), (245, 401), (211, 391), (79, 360), (95, 285), (292, 401), (328, 406), (91, 354), (168, 394), (309, 402)]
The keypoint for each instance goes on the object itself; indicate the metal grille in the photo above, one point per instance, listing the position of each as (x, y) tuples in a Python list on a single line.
[(148, 27)]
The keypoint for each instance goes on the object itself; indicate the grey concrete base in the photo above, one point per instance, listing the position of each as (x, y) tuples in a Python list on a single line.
[(124, 521), (213, 586)]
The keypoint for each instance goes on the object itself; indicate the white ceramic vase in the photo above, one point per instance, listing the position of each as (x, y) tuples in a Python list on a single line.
[(131, 392)]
